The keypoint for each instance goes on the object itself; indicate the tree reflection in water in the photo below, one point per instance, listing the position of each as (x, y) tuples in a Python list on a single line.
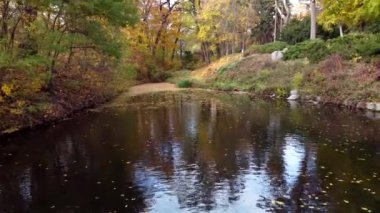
[(181, 152)]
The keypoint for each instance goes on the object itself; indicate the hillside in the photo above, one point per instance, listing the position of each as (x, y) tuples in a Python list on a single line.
[(332, 80)]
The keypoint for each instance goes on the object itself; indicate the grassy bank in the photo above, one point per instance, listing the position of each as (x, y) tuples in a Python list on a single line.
[(332, 80)]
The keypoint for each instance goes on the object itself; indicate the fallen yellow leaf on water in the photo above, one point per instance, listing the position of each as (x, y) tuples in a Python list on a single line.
[(279, 203)]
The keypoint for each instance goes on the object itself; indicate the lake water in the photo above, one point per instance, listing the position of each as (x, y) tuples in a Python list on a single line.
[(186, 152)]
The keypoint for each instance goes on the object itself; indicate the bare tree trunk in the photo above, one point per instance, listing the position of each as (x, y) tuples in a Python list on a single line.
[(206, 53), (313, 24), (283, 11), (341, 30), (275, 28)]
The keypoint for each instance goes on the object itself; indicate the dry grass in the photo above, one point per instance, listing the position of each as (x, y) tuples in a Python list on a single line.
[(334, 79), (211, 70)]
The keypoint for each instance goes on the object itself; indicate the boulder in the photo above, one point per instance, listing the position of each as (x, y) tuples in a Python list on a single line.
[(277, 56), (319, 99), (377, 107), (371, 106), (294, 95)]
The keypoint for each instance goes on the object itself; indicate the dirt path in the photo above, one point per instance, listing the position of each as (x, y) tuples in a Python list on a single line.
[(139, 90), (151, 88)]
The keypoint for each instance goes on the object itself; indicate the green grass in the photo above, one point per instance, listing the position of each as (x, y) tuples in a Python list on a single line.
[(185, 84)]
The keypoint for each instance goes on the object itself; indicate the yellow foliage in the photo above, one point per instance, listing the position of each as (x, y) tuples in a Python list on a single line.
[(7, 89), (35, 86), (18, 110), (1, 99)]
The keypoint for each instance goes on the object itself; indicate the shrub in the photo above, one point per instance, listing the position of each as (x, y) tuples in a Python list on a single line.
[(299, 30), (297, 80), (268, 48), (281, 92), (315, 50), (296, 31), (185, 84), (355, 45), (351, 46)]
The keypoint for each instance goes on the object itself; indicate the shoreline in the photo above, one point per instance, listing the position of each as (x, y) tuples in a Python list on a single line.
[(138, 89), (356, 107)]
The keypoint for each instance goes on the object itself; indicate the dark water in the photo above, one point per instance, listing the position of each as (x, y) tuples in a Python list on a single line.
[(203, 153)]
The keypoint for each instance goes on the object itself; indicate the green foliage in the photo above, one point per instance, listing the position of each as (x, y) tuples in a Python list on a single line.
[(32, 63), (373, 27), (5, 59), (314, 50), (281, 92), (352, 13), (185, 84), (103, 40), (297, 80), (188, 60), (351, 46), (269, 47), (297, 31), (263, 32), (60, 52), (226, 68), (355, 45)]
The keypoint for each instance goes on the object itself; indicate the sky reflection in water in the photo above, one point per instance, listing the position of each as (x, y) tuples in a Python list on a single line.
[(196, 153)]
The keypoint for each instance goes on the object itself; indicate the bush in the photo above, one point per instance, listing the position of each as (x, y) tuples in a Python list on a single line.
[(297, 80), (355, 45), (351, 46), (268, 48), (296, 31), (299, 30), (185, 84), (314, 50)]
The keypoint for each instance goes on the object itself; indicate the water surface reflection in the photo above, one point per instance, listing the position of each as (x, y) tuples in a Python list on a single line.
[(196, 153)]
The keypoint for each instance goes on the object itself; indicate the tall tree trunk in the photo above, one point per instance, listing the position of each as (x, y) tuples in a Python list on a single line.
[(158, 38), (4, 20), (206, 53), (275, 28), (341, 30), (313, 24)]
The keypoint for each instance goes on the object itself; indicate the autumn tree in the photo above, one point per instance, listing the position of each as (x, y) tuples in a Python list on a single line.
[(349, 13), (225, 25)]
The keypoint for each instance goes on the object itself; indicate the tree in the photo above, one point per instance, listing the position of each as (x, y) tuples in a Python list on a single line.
[(313, 20), (225, 25), (265, 31), (350, 13)]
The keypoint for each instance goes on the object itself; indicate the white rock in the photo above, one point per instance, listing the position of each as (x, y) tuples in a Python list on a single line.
[(294, 95), (294, 92), (377, 107), (371, 106), (277, 56)]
